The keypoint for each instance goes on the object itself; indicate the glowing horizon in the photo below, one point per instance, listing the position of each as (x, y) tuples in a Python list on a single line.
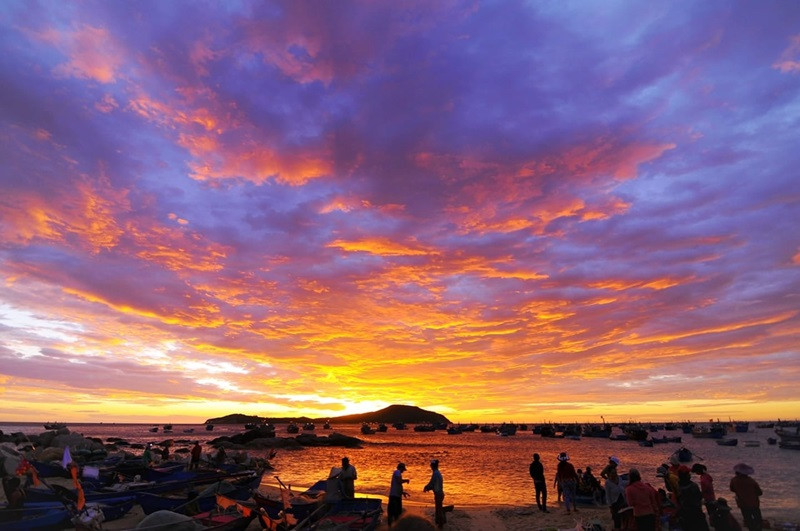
[(498, 212)]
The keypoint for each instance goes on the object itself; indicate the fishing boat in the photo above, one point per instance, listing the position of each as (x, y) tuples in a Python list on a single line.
[(360, 514), (167, 428), (728, 442), (713, 431), (209, 427), (664, 439), (58, 514), (383, 428), (400, 426), (683, 454), (292, 427), (788, 435), (327, 425), (206, 500), (454, 430), (55, 425), (309, 426), (366, 429), (154, 429)]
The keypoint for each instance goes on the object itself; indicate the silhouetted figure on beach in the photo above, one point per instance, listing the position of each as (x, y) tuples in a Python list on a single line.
[(396, 494), (706, 485), (348, 476), (644, 500), (615, 495), (196, 452), (747, 493), (536, 470), (567, 479), (436, 484), (690, 511)]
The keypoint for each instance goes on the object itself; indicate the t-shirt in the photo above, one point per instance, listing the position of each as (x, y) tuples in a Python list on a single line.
[(537, 471), (396, 488)]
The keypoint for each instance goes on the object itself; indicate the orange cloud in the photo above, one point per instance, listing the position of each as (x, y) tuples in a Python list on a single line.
[(382, 246), (92, 52), (789, 61), (87, 213)]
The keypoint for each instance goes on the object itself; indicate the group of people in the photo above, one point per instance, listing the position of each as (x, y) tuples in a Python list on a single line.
[(635, 504), (341, 482)]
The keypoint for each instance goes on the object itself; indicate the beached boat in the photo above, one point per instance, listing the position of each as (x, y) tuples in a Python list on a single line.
[(58, 514), (360, 514), (206, 500), (231, 520)]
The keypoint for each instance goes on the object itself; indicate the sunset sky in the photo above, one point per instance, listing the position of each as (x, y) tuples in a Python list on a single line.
[(499, 211)]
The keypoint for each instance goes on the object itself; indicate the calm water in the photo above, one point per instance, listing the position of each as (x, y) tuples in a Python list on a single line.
[(486, 469)]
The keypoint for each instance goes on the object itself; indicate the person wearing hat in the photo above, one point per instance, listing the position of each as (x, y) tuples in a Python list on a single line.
[(396, 494), (436, 484), (748, 494), (567, 479), (536, 470), (613, 463)]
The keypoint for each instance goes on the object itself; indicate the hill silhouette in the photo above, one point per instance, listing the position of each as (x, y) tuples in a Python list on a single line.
[(388, 415)]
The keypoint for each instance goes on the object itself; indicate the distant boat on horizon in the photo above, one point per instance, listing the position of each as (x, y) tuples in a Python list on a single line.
[(54, 425)]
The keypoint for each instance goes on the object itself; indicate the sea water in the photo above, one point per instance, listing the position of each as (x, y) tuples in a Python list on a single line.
[(485, 468)]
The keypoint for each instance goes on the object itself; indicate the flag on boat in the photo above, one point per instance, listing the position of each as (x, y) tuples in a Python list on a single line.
[(67, 459)]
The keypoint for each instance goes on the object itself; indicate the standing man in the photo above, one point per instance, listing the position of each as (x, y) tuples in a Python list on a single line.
[(539, 484), (396, 494), (197, 451), (348, 476), (747, 493), (436, 484)]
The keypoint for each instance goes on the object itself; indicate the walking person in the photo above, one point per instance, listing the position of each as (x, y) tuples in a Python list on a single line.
[(644, 500), (748, 494), (568, 481), (396, 494), (436, 484), (539, 483), (348, 476)]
